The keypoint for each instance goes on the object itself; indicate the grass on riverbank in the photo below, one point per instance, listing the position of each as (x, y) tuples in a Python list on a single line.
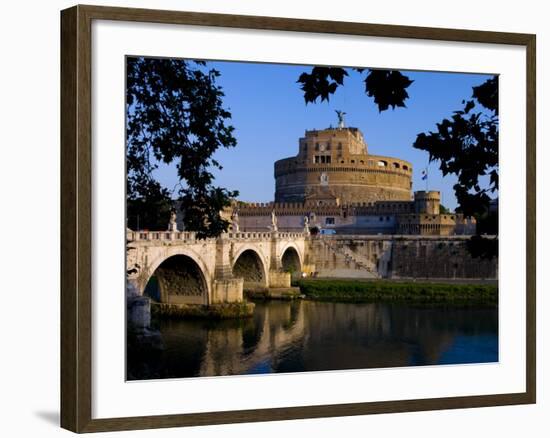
[(399, 291)]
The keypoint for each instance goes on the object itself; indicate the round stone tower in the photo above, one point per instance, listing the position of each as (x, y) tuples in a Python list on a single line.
[(336, 162), (427, 202)]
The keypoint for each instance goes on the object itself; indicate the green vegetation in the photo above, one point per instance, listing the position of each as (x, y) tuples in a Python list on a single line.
[(215, 311), (283, 293), (398, 291)]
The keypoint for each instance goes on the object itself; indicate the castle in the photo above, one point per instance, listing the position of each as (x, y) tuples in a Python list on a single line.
[(333, 183), (332, 186)]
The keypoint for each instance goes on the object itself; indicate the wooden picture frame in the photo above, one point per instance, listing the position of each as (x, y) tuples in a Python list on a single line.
[(76, 218)]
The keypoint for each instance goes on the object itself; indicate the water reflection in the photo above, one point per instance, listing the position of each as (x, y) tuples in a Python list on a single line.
[(316, 336)]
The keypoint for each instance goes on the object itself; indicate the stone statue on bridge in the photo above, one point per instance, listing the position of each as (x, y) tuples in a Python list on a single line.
[(274, 221), (235, 221), (306, 224), (172, 225)]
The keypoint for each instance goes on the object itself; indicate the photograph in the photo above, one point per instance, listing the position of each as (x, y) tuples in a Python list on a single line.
[(304, 218), (275, 219)]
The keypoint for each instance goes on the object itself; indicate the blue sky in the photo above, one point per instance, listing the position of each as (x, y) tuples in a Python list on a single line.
[(269, 115)]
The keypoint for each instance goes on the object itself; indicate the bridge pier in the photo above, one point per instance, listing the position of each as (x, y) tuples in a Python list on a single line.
[(279, 279), (275, 256), (138, 319), (138, 307), (227, 290), (225, 287), (223, 268)]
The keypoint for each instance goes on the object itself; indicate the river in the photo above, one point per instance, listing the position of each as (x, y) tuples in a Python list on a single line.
[(295, 336)]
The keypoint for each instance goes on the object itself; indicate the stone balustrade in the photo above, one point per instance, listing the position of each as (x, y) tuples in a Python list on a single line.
[(191, 236), (187, 236)]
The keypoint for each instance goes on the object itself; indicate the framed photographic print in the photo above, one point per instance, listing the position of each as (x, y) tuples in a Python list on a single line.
[(268, 218)]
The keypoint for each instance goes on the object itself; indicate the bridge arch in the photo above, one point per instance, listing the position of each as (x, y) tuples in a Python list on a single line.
[(250, 265), (181, 277), (291, 260)]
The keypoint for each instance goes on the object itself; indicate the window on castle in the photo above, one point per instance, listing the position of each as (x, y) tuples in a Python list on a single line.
[(396, 165), (316, 146), (316, 159), (328, 146), (329, 221), (340, 146), (382, 163), (329, 159), (353, 161)]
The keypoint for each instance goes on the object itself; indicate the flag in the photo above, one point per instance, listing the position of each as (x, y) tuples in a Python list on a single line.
[(424, 175)]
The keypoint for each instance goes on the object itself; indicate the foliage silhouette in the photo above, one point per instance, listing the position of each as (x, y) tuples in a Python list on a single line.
[(175, 115), (466, 145), (388, 88)]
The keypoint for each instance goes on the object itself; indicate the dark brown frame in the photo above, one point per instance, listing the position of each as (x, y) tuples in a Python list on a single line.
[(76, 173)]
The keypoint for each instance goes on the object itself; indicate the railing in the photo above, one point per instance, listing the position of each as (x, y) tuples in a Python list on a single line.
[(249, 235), (191, 236), (160, 235)]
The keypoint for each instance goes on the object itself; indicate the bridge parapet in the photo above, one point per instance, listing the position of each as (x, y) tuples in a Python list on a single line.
[(265, 235), (187, 236), (248, 235), (191, 236)]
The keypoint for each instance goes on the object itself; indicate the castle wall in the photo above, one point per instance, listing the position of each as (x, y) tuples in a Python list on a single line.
[(398, 257), (338, 158), (386, 217), (349, 257), (439, 258), (427, 202), (349, 182), (262, 222)]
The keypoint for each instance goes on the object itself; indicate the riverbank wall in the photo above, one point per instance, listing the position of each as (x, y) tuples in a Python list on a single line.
[(397, 257)]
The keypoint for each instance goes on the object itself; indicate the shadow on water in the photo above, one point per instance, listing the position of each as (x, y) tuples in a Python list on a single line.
[(316, 336)]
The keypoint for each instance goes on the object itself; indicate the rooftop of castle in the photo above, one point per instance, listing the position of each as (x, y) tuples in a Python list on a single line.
[(331, 128)]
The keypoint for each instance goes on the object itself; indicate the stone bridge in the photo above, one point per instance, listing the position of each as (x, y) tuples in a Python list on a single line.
[(177, 268)]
